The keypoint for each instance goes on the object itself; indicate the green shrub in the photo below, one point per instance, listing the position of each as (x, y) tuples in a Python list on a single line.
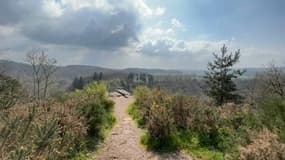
[(184, 108), (135, 113), (56, 130), (98, 118), (10, 92), (272, 114), (160, 123), (164, 144), (225, 139), (206, 125), (143, 102), (205, 130)]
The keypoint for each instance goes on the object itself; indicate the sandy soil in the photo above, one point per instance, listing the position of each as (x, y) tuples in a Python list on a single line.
[(123, 142)]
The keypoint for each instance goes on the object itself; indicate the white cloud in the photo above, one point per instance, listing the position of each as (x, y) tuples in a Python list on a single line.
[(159, 11), (52, 8), (177, 24), (78, 4), (146, 11)]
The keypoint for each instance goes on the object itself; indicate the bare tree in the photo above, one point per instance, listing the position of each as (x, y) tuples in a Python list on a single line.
[(49, 68), (35, 59), (275, 80), (43, 68)]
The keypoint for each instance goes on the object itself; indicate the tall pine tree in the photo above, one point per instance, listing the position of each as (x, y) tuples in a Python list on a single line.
[(220, 75)]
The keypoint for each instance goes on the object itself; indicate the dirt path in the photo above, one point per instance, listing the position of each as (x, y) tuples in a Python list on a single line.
[(123, 142)]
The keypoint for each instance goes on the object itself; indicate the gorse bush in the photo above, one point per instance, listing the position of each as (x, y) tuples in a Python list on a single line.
[(160, 120), (45, 131), (160, 123), (55, 130), (185, 122), (96, 108), (153, 111), (10, 92), (142, 101), (206, 124), (184, 109)]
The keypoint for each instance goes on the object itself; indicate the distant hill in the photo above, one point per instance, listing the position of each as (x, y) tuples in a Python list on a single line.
[(250, 72), (65, 74), (154, 71)]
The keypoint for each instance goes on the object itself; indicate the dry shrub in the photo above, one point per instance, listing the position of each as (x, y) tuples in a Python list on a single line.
[(50, 129), (264, 146), (160, 121), (41, 131), (184, 108), (206, 123), (229, 110)]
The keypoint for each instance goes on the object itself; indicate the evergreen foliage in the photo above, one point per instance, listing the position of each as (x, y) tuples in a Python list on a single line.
[(220, 75)]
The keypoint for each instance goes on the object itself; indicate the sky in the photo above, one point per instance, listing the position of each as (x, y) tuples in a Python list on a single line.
[(168, 34)]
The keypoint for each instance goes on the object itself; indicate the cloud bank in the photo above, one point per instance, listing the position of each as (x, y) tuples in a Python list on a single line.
[(110, 33)]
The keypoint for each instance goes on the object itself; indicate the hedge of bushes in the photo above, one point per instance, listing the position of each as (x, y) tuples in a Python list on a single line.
[(207, 131), (54, 129)]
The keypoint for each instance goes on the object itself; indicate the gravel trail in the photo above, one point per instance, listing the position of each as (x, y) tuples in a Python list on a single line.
[(123, 143)]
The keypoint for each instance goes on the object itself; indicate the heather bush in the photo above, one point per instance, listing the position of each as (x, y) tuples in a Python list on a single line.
[(264, 146)]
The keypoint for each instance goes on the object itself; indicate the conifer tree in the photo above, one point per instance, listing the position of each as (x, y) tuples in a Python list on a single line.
[(95, 76), (220, 75), (100, 76)]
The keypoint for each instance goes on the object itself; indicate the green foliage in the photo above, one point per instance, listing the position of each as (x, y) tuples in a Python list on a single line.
[(10, 92), (166, 126), (96, 108), (160, 123), (206, 132), (56, 129), (220, 77), (78, 83), (184, 108), (225, 139), (162, 144), (98, 117), (272, 114), (143, 103), (136, 115), (137, 79), (206, 124), (184, 122)]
